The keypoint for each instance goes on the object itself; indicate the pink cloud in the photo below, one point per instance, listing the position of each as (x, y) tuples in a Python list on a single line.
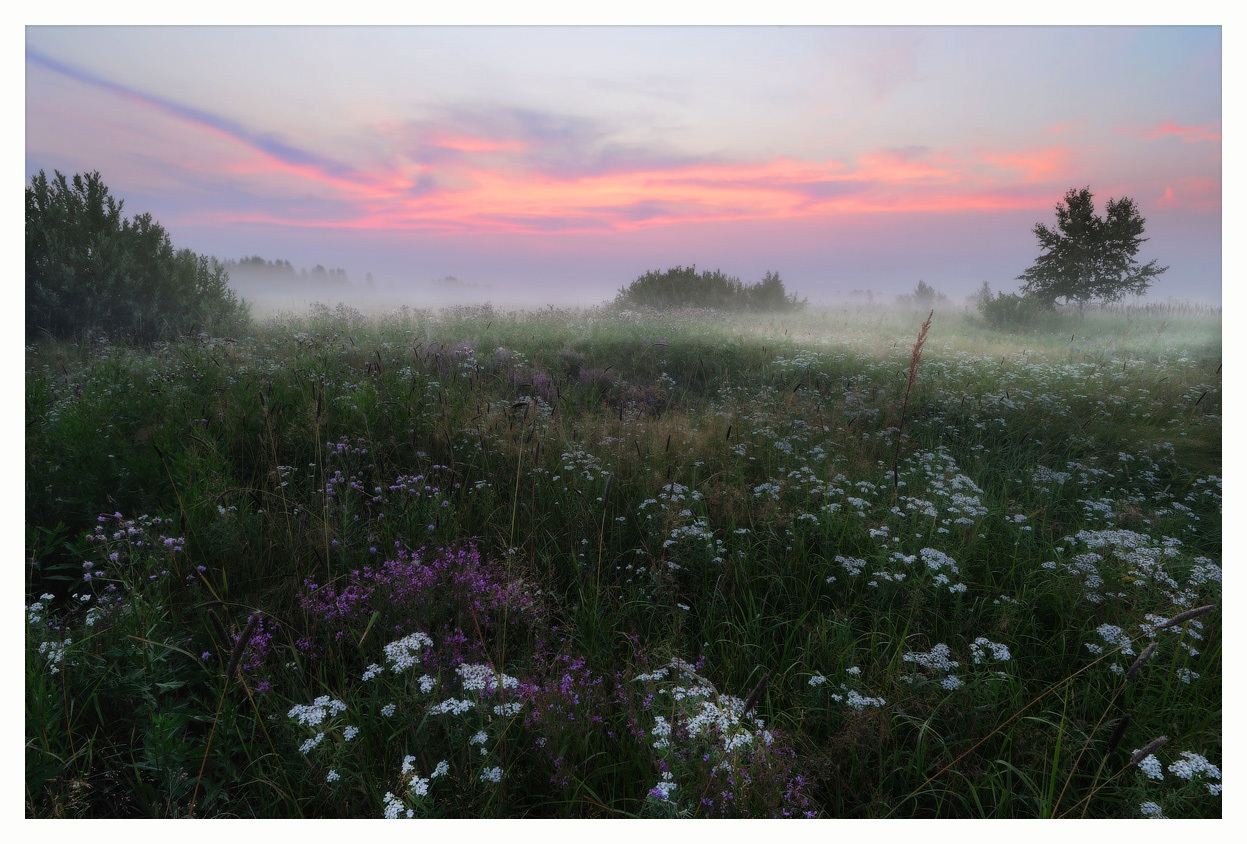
[(1039, 164), (1064, 128), (1190, 134), (1192, 194)]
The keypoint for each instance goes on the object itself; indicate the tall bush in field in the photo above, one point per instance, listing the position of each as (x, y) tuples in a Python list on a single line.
[(88, 268), (685, 287)]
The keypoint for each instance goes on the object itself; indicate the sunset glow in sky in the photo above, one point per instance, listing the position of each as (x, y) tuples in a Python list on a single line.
[(549, 163)]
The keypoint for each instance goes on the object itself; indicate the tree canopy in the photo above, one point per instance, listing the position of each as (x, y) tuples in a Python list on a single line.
[(90, 269), (1087, 257)]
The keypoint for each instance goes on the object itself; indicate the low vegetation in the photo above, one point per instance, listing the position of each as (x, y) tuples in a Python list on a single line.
[(596, 564), (685, 287)]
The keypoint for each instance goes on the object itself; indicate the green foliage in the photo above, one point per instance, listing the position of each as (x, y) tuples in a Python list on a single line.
[(1009, 310), (924, 296), (685, 287), (89, 269), (1087, 257)]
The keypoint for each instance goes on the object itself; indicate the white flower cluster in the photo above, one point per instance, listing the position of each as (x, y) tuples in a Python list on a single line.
[(981, 647), (937, 659), (394, 807), (34, 612), (402, 654), (1151, 810), (452, 706), (1150, 766), (1191, 765), (55, 652), (664, 787), (308, 745), (660, 674), (855, 701), (662, 729), (483, 678), (1117, 637), (321, 707), (493, 774)]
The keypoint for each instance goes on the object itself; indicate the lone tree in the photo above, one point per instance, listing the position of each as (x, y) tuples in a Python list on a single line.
[(90, 269), (1087, 257)]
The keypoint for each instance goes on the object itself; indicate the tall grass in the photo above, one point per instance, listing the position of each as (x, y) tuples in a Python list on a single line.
[(478, 562)]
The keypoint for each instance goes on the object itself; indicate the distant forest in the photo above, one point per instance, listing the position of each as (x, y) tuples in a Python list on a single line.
[(256, 277)]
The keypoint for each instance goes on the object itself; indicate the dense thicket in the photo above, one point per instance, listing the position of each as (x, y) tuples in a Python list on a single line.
[(90, 269), (684, 286)]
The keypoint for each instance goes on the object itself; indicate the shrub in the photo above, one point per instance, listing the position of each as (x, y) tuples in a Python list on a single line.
[(1009, 310), (685, 287), (88, 269)]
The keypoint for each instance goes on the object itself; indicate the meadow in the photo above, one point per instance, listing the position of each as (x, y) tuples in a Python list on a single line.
[(478, 563)]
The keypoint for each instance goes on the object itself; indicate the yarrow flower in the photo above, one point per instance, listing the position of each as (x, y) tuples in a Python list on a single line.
[(1192, 764), (332, 776), (663, 788), (493, 774), (308, 745), (394, 807), (1151, 810), (483, 678), (452, 706), (321, 707), (402, 654), (981, 647), (1150, 765)]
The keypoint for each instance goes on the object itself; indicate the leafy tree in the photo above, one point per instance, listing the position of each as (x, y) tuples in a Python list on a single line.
[(88, 268), (1087, 257), (924, 296)]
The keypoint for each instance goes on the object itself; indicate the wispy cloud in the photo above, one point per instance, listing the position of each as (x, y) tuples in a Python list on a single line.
[(1210, 132), (1192, 194), (1037, 164), (281, 155)]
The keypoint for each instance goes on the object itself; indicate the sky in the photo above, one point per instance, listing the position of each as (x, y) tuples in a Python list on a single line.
[(556, 164)]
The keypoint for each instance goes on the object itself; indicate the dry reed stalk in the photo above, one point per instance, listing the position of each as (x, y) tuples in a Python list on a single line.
[(1186, 616), (1138, 663), (1119, 730), (218, 626), (914, 357), (241, 645), (1147, 750), (752, 699)]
